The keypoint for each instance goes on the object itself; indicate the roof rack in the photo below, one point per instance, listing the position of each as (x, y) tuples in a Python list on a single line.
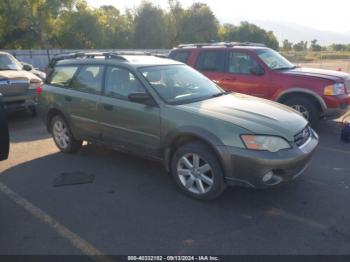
[(107, 55), (225, 44)]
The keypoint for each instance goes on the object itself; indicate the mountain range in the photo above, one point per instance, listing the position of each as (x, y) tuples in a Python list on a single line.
[(295, 33)]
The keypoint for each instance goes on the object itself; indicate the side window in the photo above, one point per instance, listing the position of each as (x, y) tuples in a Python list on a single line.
[(241, 63), (181, 56), (211, 61), (89, 79), (121, 82), (62, 75)]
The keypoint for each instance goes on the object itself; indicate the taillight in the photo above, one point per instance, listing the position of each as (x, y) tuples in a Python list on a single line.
[(39, 90)]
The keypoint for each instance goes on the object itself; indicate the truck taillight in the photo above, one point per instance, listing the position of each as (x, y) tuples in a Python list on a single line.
[(39, 90)]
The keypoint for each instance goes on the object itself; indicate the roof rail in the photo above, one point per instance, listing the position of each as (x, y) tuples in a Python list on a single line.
[(225, 44), (107, 55)]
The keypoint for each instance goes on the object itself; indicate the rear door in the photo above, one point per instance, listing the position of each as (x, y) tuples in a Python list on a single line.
[(241, 75), (82, 99), (128, 125), (211, 63)]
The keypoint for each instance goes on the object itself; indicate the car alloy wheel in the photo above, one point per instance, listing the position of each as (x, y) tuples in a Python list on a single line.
[(61, 134), (301, 109), (195, 174)]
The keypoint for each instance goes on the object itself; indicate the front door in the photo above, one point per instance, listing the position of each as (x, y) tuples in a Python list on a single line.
[(245, 75), (211, 63), (128, 125)]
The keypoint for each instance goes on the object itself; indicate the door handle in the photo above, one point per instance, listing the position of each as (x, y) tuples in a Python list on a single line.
[(108, 107), (68, 98)]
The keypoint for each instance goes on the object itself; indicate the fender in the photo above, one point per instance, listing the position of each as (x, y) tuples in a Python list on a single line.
[(197, 132), (305, 91)]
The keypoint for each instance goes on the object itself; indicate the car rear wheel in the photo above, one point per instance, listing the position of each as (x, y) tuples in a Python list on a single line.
[(62, 135), (306, 107), (197, 171)]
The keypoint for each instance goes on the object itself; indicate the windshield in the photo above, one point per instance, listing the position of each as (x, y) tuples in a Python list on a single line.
[(180, 84), (8, 62), (274, 60)]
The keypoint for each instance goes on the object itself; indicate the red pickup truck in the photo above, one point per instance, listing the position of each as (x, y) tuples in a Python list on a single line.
[(260, 71)]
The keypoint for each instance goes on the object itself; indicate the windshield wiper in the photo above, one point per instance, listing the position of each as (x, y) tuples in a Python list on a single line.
[(220, 94), (285, 68)]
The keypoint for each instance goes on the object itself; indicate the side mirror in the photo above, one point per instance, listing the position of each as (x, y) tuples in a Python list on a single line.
[(27, 67), (142, 98), (258, 70)]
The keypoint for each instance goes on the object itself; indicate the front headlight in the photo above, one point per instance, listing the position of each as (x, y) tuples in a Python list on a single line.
[(335, 89), (269, 143)]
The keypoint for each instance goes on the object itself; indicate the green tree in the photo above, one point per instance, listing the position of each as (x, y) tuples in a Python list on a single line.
[(338, 47), (314, 46), (286, 45), (198, 24), (117, 28), (28, 23), (301, 46), (175, 16), (247, 32), (79, 28), (151, 27)]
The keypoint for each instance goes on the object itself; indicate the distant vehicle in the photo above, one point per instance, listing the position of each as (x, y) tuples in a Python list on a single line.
[(256, 70), (4, 133), (162, 109), (35, 71), (17, 86)]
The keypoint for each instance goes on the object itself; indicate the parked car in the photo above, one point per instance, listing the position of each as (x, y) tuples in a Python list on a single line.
[(35, 71), (259, 71), (162, 109), (4, 133), (17, 86)]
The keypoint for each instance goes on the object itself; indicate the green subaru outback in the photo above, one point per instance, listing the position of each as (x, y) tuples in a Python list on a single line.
[(164, 110)]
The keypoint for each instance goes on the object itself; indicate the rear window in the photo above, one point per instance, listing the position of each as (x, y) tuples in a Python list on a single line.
[(211, 61), (62, 75), (181, 56), (89, 79)]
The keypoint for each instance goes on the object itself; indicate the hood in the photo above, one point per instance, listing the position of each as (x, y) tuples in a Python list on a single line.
[(321, 73), (257, 115), (19, 74)]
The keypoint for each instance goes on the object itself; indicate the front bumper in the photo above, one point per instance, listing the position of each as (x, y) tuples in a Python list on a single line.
[(20, 102), (337, 105), (248, 167)]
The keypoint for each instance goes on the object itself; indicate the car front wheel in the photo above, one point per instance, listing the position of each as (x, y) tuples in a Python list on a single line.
[(62, 135), (197, 171), (306, 107)]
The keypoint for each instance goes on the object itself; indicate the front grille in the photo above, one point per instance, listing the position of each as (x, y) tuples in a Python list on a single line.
[(301, 137)]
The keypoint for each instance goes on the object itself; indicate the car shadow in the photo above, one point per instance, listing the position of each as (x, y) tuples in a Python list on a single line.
[(137, 199), (24, 127)]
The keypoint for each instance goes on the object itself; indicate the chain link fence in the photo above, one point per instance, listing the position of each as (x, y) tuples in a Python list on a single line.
[(331, 64), (40, 58)]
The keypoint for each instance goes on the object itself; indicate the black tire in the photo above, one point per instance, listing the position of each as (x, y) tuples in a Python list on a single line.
[(206, 155), (309, 105), (72, 145)]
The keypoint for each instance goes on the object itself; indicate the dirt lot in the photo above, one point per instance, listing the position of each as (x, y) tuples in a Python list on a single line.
[(329, 64), (133, 206)]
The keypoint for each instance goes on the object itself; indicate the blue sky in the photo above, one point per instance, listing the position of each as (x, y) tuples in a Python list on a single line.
[(320, 14)]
